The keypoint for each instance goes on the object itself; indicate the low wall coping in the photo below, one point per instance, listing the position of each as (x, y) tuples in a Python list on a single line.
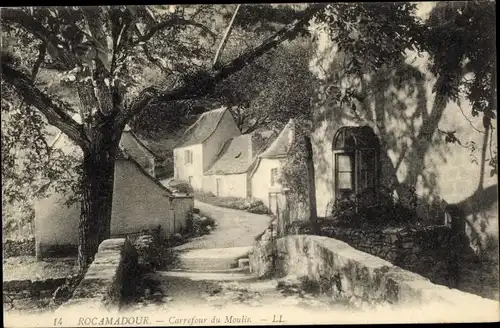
[(413, 288), (101, 287)]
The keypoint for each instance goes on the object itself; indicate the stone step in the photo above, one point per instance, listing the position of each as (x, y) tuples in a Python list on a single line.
[(228, 252), (233, 270), (222, 276)]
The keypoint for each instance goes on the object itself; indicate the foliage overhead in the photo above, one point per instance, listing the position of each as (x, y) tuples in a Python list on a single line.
[(460, 38), (110, 63)]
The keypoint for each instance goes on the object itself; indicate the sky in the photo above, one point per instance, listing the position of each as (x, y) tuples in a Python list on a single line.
[(424, 8)]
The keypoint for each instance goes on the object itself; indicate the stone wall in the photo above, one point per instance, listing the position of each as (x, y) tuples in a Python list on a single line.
[(149, 206), (354, 276), (107, 280), (19, 289), (18, 247), (424, 250)]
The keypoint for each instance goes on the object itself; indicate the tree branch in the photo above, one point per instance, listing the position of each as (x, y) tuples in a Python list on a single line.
[(172, 22), (203, 86), (154, 60), (36, 28), (31, 95), (225, 37), (41, 56)]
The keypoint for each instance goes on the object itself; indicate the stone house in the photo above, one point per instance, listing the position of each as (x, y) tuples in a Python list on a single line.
[(197, 149), (267, 170), (213, 156), (230, 174), (139, 202), (395, 137)]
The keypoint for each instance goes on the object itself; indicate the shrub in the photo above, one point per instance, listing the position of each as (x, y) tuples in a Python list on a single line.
[(300, 228), (385, 212), (179, 186), (251, 205), (198, 224)]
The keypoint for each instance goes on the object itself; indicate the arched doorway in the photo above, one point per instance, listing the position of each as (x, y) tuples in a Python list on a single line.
[(356, 155)]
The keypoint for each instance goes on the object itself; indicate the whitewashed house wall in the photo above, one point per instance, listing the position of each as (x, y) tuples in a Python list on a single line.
[(183, 170), (400, 115), (261, 179), (225, 130)]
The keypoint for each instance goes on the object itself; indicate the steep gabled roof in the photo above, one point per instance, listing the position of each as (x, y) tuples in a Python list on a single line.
[(169, 192), (202, 128), (134, 146), (281, 145), (239, 153), (234, 157)]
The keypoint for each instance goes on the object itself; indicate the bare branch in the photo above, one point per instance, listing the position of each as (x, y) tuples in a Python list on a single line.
[(36, 28), (225, 37), (468, 120), (170, 23), (203, 86), (286, 33), (41, 56), (154, 60), (31, 95)]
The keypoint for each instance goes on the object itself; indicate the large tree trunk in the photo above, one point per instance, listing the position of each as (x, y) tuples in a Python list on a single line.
[(311, 183), (97, 193)]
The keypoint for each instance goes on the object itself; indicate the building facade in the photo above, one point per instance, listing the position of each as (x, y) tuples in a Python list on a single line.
[(201, 143), (139, 202), (402, 145)]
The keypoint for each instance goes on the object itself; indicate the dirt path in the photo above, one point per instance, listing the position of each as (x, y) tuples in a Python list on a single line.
[(167, 293), (234, 228)]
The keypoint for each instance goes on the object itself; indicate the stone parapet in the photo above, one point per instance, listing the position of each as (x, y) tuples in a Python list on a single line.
[(107, 280), (355, 276)]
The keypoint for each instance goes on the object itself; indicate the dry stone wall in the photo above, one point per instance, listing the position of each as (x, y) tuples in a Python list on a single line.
[(20, 289), (425, 250), (107, 280), (22, 247), (352, 275)]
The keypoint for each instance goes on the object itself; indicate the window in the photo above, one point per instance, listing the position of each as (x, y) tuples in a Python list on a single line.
[(190, 181), (218, 186), (188, 156), (366, 168), (345, 171), (274, 176), (356, 151)]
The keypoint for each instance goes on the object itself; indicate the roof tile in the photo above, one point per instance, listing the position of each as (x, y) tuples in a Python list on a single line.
[(202, 128), (281, 144)]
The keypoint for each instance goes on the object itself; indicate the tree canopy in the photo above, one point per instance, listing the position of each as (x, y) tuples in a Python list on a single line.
[(114, 65), (100, 54)]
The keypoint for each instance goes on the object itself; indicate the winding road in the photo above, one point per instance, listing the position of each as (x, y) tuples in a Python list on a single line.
[(234, 228)]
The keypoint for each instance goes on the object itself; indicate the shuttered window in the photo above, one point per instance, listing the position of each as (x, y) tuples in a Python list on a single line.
[(188, 156), (274, 176)]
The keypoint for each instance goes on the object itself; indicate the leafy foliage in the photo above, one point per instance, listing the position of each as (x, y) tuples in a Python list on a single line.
[(101, 54), (30, 166), (250, 205), (369, 37), (387, 211), (294, 171), (460, 37), (277, 87)]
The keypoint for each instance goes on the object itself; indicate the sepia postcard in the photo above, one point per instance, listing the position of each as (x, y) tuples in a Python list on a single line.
[(249, 164)]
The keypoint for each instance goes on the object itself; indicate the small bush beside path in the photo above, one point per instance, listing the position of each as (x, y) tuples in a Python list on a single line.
[(250, 205)]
